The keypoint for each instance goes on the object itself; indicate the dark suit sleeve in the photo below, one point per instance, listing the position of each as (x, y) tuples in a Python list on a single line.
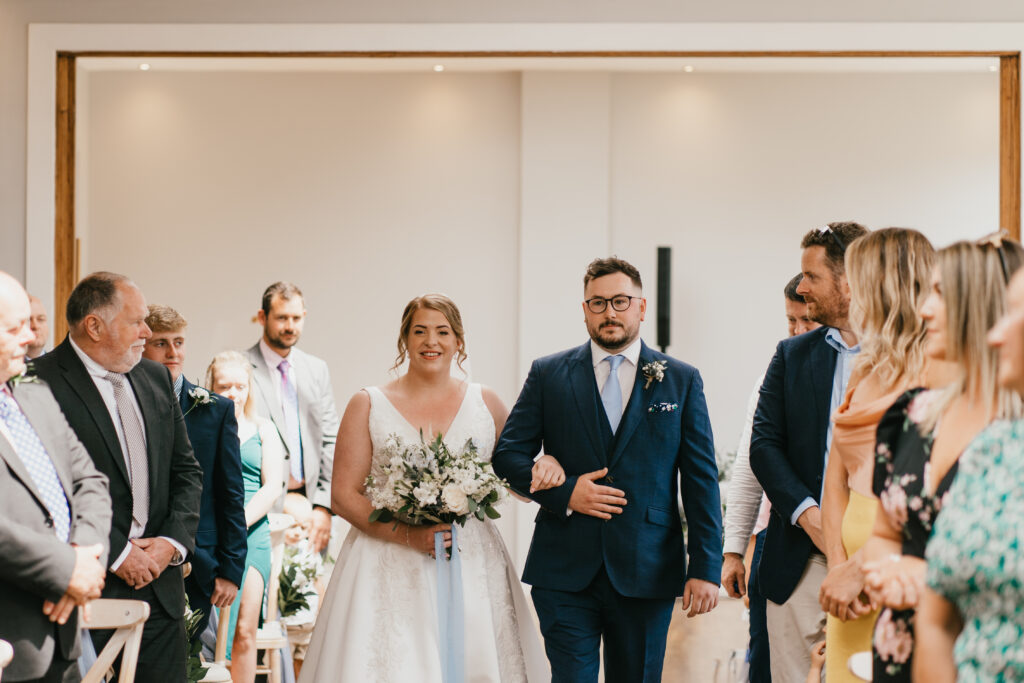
[(521, 441), (229, 500), (185, 485), (698, 483), (769, 442)]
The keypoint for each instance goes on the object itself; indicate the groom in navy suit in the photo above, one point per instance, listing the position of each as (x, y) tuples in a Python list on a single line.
[(219, 559), (630, 427)]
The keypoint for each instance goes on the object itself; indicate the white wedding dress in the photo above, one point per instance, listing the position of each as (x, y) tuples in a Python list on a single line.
[(379, 619)]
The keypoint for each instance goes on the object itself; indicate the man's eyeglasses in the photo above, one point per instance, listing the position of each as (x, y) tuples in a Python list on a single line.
[(838, 240), (620, 302)]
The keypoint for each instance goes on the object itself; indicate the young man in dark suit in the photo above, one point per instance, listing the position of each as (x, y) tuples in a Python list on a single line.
[(789, 443), (219, 559), (125, 413), (55, 509), (630, 427)]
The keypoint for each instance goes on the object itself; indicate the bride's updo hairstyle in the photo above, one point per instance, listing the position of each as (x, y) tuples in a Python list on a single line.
[(444, 306), (225, 358)]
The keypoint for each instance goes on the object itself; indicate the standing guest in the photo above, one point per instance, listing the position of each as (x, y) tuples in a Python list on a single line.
[(293, 390), (124, 411), (219, 557), (789, 445), (888, 272), (55, 508), (922, 436), (630, 427), (746, 506), (40, 328), (971, 617), (262, 457)]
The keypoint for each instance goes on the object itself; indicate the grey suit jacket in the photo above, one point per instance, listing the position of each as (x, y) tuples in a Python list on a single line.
[(36, 565), (318, 417)]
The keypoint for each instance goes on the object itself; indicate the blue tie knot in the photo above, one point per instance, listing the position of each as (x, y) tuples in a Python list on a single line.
[(615, 361)]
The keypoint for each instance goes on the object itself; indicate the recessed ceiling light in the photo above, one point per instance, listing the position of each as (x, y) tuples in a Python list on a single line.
[(439, 67), (143, 67), (688, 68)]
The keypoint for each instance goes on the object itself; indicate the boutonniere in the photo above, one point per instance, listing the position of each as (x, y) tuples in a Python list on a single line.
[(200, 397), (23, 378), (654, 371)]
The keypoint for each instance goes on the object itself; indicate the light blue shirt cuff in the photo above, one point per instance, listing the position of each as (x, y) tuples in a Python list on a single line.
[(807, 503)]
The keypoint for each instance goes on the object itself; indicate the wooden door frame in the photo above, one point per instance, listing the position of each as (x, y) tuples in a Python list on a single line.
[(65, 241)]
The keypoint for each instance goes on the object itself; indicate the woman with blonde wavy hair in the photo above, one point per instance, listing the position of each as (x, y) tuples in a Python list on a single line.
[(920, 438), (888, 273)]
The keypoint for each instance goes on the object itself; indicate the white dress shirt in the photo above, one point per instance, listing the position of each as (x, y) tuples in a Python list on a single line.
[(745, 494), (627, 368), (98, 374)]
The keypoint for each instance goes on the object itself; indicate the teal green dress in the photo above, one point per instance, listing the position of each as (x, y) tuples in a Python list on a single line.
[(258, 553), (976, 555)]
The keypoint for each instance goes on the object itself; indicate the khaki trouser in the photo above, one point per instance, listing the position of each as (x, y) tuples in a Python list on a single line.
[(798, 624)]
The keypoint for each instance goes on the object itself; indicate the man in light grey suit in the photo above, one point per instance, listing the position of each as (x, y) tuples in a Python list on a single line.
[(293, 389), (55, 508)]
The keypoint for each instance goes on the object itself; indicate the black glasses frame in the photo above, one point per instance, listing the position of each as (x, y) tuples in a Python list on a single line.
[(838, 240), (604, 303)]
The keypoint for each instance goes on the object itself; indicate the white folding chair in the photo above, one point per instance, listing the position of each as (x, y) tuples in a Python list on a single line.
[(859, 665), (6, 655), (127, 618)]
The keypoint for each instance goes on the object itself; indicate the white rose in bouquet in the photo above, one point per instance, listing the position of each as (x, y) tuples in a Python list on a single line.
[(455, 499)]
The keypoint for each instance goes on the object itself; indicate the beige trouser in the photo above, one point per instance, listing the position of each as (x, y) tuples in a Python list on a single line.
[(798, 624)]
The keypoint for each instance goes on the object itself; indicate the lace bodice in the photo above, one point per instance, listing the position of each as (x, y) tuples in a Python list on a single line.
[(472, 421)]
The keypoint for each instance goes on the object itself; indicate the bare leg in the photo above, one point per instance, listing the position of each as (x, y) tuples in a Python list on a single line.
[(243, 649)]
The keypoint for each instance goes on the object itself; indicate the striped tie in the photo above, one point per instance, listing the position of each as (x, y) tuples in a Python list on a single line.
[(611, 393), (38, 463), (135, 441)]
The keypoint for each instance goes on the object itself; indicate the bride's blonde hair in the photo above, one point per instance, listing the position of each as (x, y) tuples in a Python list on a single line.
[(443, 305)]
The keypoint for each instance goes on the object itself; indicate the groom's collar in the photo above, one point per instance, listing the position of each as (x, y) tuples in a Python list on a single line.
[(631, 353)]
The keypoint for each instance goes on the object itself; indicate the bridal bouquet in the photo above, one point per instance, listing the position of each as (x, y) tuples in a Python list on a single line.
[(428, 483)]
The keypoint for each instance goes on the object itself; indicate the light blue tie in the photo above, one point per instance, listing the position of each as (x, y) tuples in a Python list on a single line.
[(33, 454), (290, 406), (611, 394)]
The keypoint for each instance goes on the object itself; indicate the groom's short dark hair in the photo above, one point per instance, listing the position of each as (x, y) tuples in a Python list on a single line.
[(600, 267)]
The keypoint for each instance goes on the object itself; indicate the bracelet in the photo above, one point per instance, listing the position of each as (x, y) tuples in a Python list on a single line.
[(407, 535)]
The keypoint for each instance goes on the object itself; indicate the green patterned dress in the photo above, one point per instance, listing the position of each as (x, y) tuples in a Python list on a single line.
[(976, 555)]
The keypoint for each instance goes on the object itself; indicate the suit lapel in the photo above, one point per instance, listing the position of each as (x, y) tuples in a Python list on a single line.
[(584, 389), (13, 460), (38, 420), (822, 371), (635, 408), (184, 399), (263, 380), (81, 383)]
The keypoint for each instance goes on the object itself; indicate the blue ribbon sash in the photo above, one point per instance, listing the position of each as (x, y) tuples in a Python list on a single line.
[(450, 617)]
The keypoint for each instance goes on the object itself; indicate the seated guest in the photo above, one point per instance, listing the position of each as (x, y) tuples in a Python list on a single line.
[(219, 558), (971, 619), (747, 506), (300, 624), (921, 437), (40, 328), (55, 508), (888, 272), (230, 375)]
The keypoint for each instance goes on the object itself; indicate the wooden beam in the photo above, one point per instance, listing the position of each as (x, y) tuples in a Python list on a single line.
[(1009, 144), (65, 250), (546, 54)]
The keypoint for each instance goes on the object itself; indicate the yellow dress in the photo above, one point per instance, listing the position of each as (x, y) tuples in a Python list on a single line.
[(853, 440)]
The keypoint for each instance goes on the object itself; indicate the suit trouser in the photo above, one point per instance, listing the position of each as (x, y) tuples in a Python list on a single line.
[(61, 671), (760, 658), (634, 631), (162, 654), (797, 624)]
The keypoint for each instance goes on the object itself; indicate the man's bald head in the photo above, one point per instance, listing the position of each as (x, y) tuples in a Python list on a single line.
[(15, 333), (40, 325)]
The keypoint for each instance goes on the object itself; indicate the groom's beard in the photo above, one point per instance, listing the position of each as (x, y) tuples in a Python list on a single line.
[(612, 336)]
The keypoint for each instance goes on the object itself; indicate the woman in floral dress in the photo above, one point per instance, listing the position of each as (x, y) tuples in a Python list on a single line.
[(975, 592), (921, 437)]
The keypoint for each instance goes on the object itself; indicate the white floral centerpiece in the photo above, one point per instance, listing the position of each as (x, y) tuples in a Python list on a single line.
[(428, 483)]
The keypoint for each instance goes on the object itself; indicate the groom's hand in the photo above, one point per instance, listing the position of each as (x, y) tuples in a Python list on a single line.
[(699, 597), (596, 500)]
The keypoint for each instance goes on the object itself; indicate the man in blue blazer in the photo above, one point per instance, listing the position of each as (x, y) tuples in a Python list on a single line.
[(630, 427), (789, 442), (219, 559)]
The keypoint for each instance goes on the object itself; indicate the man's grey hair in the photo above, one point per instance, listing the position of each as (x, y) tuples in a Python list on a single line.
[(95, 294)]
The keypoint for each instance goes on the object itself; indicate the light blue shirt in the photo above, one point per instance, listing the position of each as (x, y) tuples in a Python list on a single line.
[(841, 378)]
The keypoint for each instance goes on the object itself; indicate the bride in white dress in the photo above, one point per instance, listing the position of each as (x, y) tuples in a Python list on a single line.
[(379, 618)]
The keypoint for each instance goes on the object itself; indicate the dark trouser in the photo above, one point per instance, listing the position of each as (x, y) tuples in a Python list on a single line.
[(573, 624), (198, 601), (61, 671), (760, 658), (162, 654)]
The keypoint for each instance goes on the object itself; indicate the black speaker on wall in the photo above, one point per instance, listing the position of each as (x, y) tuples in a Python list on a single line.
[(664, 297)]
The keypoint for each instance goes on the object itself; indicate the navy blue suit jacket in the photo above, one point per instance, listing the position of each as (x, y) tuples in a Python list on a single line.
[(787, 451), (663, 447), (221, 538)]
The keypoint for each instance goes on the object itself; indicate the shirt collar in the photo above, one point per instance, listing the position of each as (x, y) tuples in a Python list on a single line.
[(271, 357), (631, 353), (835, 339), (91, 366), (178, 384)]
